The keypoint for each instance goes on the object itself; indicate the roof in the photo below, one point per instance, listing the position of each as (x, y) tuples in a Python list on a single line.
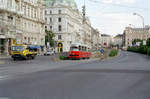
[(119, 36), (106, 35), (70, 3)]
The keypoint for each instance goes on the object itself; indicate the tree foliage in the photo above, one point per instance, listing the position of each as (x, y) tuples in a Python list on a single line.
[(50, 38), (144, 49), (148, 42), (136, 40)]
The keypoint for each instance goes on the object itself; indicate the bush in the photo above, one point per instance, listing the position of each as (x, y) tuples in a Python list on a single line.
[(142, 48), (113, 53), (148, 51), (63, 57), (133, 49)]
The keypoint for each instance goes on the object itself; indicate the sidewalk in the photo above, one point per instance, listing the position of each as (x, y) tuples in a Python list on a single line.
[(4, 57)]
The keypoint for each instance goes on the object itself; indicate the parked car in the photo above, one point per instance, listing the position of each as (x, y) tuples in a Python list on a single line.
[(47, 53)]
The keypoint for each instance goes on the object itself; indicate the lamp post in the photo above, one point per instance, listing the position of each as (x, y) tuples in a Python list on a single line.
[(141, 18), (142, 21)]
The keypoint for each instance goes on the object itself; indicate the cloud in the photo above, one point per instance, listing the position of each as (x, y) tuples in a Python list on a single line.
[(120, 1), (114, 23)]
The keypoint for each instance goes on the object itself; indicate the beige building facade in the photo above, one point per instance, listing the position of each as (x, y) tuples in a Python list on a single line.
[(106, 40), (66, 21), (22, 21), (118, 40), (131, 34), (96, 39)]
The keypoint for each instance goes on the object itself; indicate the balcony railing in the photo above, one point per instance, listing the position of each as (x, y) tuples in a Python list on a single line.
[(12, 9)]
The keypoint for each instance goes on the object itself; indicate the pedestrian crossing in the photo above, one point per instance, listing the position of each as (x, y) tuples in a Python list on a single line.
[(3, 74)]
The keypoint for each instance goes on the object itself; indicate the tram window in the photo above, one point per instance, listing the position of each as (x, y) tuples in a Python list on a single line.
[(80, 48), (85, 49), (74, 49)]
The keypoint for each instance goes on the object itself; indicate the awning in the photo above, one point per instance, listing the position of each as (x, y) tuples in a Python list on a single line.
[(34, 47)]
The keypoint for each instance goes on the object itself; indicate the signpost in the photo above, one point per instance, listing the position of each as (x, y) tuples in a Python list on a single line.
[(102, 53)]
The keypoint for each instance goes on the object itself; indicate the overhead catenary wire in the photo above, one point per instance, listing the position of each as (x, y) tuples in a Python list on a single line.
[(120, 5)]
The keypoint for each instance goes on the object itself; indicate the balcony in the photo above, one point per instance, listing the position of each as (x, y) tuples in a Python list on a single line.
[(12, 9)]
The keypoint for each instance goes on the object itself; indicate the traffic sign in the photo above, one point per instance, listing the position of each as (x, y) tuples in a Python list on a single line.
[(101, 50)]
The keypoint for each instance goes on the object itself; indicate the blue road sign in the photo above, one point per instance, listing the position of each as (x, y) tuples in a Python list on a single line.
[(101, 50)]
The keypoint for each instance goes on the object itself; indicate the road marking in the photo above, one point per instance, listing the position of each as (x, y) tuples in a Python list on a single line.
[(3, 77), (4, 98)]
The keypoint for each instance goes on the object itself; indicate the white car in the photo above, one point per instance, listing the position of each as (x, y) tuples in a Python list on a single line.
[(48, 53)]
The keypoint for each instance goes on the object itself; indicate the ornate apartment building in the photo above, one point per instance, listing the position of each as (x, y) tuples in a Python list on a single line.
[(131, 34), (66, 21), (21, 21)]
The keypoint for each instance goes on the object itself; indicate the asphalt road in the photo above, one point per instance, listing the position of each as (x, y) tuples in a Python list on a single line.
[(124, 77)]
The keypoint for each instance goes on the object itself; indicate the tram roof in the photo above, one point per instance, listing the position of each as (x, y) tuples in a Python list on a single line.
[(79, 44)]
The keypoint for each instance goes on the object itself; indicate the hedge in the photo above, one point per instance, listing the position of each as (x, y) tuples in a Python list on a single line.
[(113, 53), (63, 57), (141, 49)]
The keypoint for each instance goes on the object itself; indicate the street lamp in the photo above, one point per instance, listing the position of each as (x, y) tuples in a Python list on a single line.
[(141, 18), (142, 21)]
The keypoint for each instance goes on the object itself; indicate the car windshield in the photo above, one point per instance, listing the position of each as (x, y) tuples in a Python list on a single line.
[(17, 48)]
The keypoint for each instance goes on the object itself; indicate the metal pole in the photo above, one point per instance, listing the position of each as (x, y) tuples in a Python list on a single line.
[(142, 21)]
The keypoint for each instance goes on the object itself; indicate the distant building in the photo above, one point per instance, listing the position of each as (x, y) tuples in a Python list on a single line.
[(64, 19), (106, 40), (131, 34), (118, 40), (21, 21)]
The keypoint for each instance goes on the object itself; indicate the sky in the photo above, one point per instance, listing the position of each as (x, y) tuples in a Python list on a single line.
[(112, 16)]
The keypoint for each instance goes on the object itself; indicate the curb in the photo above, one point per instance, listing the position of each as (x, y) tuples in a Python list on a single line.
[(5, 57)]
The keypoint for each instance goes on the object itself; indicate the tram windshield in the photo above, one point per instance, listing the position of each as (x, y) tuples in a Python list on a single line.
[(74, 49)]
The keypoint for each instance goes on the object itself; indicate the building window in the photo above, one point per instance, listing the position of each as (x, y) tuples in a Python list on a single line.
[(59, 37), (59, 28), (59, 11), (45, 12), (59, 19), (25, 10), (50, 20), (50, 12), (28, 39), (51, 27), (45, 20), (45, 27)]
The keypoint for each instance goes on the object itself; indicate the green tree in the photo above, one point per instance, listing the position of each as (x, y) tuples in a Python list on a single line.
[(50, 38), (136, 40), (148, 42)]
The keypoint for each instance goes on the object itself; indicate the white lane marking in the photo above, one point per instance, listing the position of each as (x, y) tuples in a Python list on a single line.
[(4, 98), (3, 78)]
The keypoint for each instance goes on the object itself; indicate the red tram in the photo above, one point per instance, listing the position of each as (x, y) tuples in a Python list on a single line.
[(79, 51)]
